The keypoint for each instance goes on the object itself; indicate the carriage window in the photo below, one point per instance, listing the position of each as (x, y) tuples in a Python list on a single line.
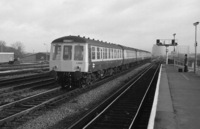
[(111, 53), (67, 53), (117, 53), (104, 53), (101, 53), (108, 53), (114, 53), (93, 52), (56, 52), (98, 53), (78, 52)]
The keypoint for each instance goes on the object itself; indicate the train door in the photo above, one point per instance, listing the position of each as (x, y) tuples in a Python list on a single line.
[(80, 62)]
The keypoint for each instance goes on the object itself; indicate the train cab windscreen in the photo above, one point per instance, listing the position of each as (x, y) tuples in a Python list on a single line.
[(67, 52), (56, 52), (78, 53)]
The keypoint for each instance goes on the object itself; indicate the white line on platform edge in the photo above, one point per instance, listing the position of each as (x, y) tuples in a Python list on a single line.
[(155, 102)]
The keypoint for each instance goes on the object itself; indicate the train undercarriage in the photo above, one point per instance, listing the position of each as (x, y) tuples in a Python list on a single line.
[(83, 79), (80, 79)]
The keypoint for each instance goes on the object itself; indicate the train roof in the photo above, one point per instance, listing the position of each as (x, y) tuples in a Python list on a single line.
[(78, 39), (65, 38), (130, 48)]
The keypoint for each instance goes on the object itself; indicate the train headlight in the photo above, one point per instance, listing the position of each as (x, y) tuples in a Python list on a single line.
[(77, 68), (55, 67)]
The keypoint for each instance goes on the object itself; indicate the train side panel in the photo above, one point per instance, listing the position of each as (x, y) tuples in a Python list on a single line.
[(104, 57), (129, 55)]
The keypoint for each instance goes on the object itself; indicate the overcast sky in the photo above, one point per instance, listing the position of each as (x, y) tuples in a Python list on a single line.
[(133, 23)]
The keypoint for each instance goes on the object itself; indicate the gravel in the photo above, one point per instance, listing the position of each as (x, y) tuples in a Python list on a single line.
[(20, 95), (77, 104)]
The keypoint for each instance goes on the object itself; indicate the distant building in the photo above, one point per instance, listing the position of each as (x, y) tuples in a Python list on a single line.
[(158, 50), (36, 58)]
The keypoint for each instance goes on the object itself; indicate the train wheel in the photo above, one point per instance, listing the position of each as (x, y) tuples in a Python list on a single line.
[(93, 77), (88, 80), (65, 86), (79, 83), (111, 71)]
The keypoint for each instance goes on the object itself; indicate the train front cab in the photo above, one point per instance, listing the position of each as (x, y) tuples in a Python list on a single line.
[(69, 60)]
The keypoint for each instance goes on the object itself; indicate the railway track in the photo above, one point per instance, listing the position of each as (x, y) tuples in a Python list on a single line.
[(6, 82), (24, 106), (21, 91), (10, 112), (123, 108), (14, 90), (11, 71), (22, 66), (7, 74)]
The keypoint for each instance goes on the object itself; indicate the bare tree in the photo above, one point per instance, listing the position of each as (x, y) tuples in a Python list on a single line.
[(18, 46), (2, 45), (19, 49)]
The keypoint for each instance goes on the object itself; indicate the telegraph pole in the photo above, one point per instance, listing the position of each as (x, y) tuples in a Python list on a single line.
[(195, 45), (174, 48)]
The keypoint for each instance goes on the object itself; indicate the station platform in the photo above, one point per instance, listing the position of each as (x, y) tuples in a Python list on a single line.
[(178, 105)]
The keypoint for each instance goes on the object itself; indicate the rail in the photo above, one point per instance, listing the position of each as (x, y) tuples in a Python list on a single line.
[(125, 109)]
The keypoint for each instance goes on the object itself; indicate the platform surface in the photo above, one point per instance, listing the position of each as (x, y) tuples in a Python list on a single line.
[(178, 100)]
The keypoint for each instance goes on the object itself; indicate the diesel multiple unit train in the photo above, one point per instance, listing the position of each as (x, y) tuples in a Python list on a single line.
[(79, 61)]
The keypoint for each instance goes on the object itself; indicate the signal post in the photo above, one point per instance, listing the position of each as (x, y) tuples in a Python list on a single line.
[(173, 43)]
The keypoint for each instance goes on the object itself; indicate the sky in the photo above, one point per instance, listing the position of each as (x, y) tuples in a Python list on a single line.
[(132, 23)]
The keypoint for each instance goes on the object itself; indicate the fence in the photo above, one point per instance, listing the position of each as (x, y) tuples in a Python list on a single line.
[(177, 58)]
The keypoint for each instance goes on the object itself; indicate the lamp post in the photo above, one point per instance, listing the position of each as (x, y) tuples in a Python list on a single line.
[(174, 40), (195, 45), (174, 47)]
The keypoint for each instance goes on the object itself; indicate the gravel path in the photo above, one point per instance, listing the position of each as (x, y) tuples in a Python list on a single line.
[(77, 104)]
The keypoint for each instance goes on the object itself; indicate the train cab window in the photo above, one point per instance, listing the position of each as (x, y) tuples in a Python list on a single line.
[(78, 52), (93, 53), (56, 52), (67, 53)]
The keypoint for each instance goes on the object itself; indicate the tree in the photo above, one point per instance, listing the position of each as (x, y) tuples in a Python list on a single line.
[(18, 46), (2, 45), (19, 49)]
